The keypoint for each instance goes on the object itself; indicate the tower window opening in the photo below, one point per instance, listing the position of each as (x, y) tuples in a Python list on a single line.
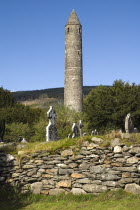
[(68, 30)]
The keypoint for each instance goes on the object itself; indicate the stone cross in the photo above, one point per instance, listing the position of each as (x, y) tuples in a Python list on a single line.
[(51, 130), (129, 127), (51, 115)]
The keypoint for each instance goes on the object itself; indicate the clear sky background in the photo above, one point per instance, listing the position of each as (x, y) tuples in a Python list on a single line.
[(32, 42)]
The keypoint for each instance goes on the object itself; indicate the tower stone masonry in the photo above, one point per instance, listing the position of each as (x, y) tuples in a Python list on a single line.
[(73, 87)]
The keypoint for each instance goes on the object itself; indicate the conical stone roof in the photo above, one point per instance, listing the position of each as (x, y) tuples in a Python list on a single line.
[(73, 19)]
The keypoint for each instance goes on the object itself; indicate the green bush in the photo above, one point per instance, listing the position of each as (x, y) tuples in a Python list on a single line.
[(19, 119), (39, 130), (20, 113), (14, 130)]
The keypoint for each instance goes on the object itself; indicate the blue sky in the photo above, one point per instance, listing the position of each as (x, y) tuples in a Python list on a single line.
[(32, 42)]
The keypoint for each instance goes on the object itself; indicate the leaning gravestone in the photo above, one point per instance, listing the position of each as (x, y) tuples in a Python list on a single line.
[(51, 130), (129, 127)]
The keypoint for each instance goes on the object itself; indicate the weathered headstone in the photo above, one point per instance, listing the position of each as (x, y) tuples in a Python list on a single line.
[(94, 132), (51, 130), (129, 127), (20, 139), (81, 127), (74, 130), (24, 141)]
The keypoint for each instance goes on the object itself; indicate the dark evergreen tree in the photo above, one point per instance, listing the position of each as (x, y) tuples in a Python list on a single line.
[(106, 107), (6, 98), (2, 129)]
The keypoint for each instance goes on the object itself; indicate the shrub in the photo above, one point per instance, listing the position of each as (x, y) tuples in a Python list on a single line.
[(39, 130), (14, 130)]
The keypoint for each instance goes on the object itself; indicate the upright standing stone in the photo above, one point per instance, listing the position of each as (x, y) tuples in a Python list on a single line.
[(51, 130), (74, 130), (73, 94), (81, 127), (129, 127)]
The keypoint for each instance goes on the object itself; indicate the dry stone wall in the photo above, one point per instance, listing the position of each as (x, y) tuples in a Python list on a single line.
[(90, 169)]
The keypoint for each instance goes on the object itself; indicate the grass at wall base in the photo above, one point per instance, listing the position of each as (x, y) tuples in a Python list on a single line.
[(117, 200)]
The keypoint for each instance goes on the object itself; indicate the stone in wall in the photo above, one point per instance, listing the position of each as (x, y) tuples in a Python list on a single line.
[(133, 188), (36, 187)]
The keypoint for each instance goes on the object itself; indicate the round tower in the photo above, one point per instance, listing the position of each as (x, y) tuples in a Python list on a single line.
[(73, 94)]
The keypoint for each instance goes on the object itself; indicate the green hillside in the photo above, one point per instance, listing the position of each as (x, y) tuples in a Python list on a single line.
[(51, 93)]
